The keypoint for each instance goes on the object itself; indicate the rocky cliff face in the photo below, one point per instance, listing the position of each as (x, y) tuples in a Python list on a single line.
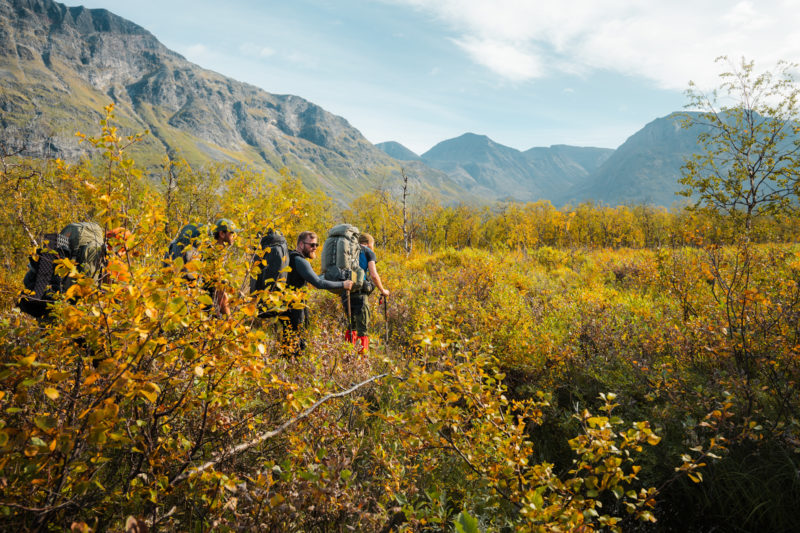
[(60, 65)]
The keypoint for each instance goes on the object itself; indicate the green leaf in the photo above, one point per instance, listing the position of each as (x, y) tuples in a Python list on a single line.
[(45, 423), (464, 523)]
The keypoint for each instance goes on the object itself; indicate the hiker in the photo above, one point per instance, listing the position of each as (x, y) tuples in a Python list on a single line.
[(357, 330), (184, 245), (295, 319), (80, 242), (224, 234)]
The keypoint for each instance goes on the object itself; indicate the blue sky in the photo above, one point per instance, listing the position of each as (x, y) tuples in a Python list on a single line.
[(524, 72)]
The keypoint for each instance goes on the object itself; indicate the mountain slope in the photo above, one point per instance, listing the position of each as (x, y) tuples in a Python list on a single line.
[(496, 171), (645, 168), (60, 65)]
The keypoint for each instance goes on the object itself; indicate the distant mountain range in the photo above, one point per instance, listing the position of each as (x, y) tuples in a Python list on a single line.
[(491, 169), (60, 65)]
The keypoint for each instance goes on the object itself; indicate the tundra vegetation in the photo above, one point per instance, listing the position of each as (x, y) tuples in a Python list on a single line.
[(538, 369)]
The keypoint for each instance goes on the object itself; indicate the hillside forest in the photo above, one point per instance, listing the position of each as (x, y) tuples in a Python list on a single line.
[(586, 368)]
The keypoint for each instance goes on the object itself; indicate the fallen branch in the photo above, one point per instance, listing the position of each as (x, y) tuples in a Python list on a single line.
[(270, 434)]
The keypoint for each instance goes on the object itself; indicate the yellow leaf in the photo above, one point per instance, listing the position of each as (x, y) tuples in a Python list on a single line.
[(653, 439), (50, 392), (149, 395)]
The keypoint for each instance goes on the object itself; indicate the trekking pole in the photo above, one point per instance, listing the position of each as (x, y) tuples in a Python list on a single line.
[(385, 323), (349, 314)]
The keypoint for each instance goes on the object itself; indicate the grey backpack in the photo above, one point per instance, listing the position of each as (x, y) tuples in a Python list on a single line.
[(340, 256)]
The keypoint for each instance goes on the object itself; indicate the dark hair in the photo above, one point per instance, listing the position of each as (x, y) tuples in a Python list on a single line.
[(306, 234)]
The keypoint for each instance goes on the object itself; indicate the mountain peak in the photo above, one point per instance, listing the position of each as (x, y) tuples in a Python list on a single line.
[(398, 151), (64, 64)]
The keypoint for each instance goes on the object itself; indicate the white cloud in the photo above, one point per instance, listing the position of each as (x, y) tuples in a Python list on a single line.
[(666, 42), (254, 50), (511, 61)]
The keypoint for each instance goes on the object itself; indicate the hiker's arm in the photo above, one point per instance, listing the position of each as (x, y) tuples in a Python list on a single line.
[(376, 279), (307, 273)]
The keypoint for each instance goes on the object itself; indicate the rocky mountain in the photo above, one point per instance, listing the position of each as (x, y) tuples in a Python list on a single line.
[(645, 168), (493, 170), (398, 151), (59, 66)]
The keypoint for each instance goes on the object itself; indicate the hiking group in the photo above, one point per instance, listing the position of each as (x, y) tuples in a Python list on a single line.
[(277, 275)]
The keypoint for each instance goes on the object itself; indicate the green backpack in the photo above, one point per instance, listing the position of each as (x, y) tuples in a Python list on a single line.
[(340, 256), (81, 242)]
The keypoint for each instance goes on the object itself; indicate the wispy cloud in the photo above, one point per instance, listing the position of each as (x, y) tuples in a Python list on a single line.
[(257, 51), (666, 42), (511, 60)]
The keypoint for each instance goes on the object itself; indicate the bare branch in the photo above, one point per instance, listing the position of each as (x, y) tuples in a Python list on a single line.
[(275, 432)]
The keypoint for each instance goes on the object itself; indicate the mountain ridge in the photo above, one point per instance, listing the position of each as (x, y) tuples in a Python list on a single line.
[(61, 65)]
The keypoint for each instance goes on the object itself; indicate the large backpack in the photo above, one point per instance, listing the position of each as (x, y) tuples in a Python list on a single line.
[(183, 243), (81, 242), (271, 262), (340, 256)]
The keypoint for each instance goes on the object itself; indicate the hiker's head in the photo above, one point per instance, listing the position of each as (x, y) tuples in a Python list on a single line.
[(225, 231), (307, 244), (366, 239)]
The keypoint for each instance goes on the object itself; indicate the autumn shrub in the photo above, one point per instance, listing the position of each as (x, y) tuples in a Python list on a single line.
[(136, 406), (536, 388), (655, 334)]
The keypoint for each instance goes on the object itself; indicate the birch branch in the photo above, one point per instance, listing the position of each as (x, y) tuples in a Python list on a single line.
[(273, 433)]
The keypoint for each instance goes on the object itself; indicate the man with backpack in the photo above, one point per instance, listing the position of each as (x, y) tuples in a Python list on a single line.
[(301, 273), (359, 312), (224, 234), (185, 246)]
